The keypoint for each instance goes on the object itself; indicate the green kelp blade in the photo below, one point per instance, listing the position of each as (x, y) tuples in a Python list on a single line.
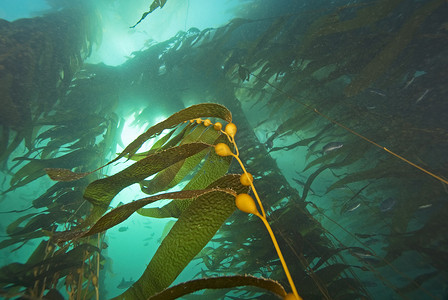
[(34, 169), (59, 174), (155, 4), (195, 227), (214, 167), (164, 142), (162, 180), (102, 191), (173, 175), (189, 113), (121, 213), (223, 282)]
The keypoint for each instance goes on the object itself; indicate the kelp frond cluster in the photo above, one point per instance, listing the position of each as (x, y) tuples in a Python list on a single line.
[(210, 196)]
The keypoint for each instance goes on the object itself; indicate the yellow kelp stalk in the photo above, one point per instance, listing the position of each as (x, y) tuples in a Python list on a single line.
[(246, 203)]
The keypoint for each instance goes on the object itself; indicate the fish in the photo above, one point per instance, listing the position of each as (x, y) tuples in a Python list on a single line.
[(409, 82), (377, 92), (422, 96), (331, 147), (424, 206), (122, 228), (361, 252), (388, 204), (354, 207), (125, 284)]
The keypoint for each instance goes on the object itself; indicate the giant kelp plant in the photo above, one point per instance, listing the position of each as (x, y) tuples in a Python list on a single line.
[(353, 220)]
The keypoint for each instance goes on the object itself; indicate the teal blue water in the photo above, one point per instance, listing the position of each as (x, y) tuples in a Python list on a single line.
[(343, 116)]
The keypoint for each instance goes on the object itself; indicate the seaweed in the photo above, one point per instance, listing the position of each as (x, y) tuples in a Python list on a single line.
[(353, 64), (154, 5)]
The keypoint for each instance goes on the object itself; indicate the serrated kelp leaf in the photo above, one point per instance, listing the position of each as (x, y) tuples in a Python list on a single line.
[(121, 213), (172, 175), (189, 113), (214, 167), (59, 174), (194, 229), (162, 180), (166, 229), (35, 168), (157, 145), (166, 144), (220, 283), (102, 191)]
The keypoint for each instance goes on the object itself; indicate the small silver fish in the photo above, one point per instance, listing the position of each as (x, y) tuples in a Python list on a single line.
[(377, 92), (331, 147), (354, 207), (425, 206), (422, 96)]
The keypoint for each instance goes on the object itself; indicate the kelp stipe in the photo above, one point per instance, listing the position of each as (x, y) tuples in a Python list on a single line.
[(245, 202)]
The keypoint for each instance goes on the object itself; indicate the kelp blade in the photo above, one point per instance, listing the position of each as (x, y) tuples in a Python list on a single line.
[(195, 111), (102, 191), (59, 174), (194, 229), (121, 213), (214, 168), (220, 283), (172, 175)]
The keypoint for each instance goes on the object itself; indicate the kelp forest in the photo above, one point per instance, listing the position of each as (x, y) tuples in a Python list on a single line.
[(327, 123)]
